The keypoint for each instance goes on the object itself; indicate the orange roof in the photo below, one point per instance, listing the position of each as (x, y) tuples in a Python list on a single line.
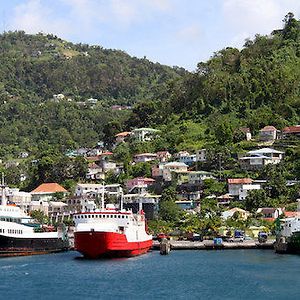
[(239, 180), (125, 133), (106, 153), (291, 214), (49, 188)]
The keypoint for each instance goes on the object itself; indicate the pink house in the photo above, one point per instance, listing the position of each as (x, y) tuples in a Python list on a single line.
[(163, 156), (139, 182)]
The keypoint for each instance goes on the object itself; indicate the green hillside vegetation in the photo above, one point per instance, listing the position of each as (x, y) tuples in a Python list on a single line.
[(253, 87), (42, 65)]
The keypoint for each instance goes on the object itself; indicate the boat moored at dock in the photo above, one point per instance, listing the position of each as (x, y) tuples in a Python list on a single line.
[(111, 233)]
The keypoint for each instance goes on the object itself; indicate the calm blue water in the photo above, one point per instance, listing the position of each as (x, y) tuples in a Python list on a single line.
[(237, 274)]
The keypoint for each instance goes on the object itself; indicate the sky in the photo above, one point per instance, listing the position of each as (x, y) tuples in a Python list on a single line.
[(172, 32)]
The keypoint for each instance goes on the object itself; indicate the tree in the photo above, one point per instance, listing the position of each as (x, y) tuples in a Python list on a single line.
[(256, 199)]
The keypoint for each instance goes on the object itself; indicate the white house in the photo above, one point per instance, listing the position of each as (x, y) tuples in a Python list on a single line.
[(243, 214), (145, 157), (46, 191), (144, 134), (195, 177), (188, 159), (94, 190), (201, 155), (256, 159), (239, 187), (170, 167), (268, 133)]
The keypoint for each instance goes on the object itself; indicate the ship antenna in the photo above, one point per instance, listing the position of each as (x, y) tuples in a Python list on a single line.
[(3, 198), (102, 196)]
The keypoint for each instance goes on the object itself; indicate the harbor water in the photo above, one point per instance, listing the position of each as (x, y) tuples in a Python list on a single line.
[(186, 274)]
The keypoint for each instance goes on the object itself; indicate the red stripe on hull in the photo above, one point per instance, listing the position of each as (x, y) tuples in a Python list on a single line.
[(98, 244)]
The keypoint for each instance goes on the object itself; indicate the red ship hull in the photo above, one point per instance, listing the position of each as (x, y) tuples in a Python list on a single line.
[(93, 244)]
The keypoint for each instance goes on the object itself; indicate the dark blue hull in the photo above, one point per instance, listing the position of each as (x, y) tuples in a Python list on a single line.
[(10, 246)]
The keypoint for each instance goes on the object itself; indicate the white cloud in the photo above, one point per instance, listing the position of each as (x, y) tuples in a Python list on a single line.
[(33, 17), (244, 18), (191, 33)]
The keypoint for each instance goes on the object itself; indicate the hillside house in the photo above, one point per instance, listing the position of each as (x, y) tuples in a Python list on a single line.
[(163, 156), (243, 214), (239, 187), (170, 167), (195, 177), (188, 159), (145, 157), (139, 182), (181, 154), (144, 134), (268, 133), (122, 136), (257, 159), (46, 191), (246, 131), (95, 172), (201, 155), (291, 131), (269, 213), (94, 190)]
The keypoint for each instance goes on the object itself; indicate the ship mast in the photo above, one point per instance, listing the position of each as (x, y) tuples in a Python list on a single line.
[(102, 196), (3, 196)]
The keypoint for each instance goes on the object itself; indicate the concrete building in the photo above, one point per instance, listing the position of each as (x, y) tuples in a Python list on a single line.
[(46, 191)]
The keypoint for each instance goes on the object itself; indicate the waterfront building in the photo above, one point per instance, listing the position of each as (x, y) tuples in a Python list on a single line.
[(46, 191)]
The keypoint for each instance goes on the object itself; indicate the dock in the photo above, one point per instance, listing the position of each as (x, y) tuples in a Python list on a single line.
[(210, 245)]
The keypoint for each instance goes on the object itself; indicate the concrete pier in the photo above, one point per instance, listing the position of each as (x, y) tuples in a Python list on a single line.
[(209, 245)]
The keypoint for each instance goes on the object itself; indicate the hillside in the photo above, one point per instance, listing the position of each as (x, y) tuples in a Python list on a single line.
[(42, 65)]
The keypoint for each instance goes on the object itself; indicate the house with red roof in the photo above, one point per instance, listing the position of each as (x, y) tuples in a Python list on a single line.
[(268, 133), (122, 136), (46, 191), (239, 187), (291, 131)]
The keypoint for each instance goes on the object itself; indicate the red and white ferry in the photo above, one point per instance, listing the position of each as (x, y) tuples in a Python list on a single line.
[(111, 233)]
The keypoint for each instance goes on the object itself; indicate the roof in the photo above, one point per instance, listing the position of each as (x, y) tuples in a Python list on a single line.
[(265, 150), (245, 129), (225, 196), (145, 129), (125, 133), (162, 152), (146, 154), (105, 153), (57, 204), (268, 128), (239, 180), (267, 210), (49, 188), (175, 164), (291, 129), (291, 214)]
